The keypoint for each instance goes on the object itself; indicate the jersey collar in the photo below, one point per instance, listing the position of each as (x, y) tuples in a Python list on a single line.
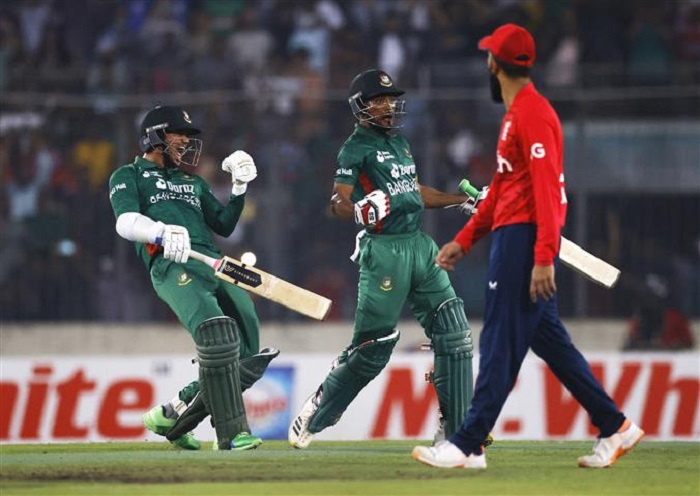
[(525, 91), (142, 163), (368, 132)]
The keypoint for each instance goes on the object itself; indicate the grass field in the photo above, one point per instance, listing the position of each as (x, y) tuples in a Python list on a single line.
[(340, 468)]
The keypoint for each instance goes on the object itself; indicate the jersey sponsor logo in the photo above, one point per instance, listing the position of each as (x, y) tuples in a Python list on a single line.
[(382, 156), (181, 188), (387, 284), (398, 170), (537, 151), (169, 195), (506, 128), (116, 188), (343, 172), (177, 188), (402, 186), (503, 164)]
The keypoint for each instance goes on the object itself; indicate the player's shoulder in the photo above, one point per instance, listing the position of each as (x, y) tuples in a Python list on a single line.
[(123, 171), (534, 108), (353, 149)]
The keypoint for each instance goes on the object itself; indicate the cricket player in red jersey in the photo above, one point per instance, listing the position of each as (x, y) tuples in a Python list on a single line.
[(524, 210)]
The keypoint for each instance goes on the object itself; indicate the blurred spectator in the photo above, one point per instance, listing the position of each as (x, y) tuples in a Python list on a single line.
[(392, 49), (313, 36), (658, 320), (562, 68), (34, 16), (250, 44), (223, 14), (214, 69), (649, 59), (688, 31)]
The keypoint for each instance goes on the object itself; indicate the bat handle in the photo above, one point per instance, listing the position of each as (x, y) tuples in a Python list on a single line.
[(211, 262), (466, 187)]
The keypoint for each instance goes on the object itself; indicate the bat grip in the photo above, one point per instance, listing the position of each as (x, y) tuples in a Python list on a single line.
[(466, 187), (211, 262)]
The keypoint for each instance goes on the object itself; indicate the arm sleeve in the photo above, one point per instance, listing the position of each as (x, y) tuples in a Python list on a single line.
[(222, 219), (539, 146), (134, 226), (479, 225)]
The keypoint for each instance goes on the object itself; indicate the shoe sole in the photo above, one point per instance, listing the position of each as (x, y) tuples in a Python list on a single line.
[(250, 446), (416, 456), (618, 454), (185, 446)]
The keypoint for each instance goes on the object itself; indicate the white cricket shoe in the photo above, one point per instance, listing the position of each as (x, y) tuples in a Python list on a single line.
[(298, 434), (608, 449), (446, 455)]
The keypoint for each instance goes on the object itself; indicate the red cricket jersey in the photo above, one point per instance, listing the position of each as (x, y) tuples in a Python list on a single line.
[(528, 187)]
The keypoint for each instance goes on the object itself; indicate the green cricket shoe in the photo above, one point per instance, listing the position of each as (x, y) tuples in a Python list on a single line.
[(156, 422), (187, 441), (243, 441)]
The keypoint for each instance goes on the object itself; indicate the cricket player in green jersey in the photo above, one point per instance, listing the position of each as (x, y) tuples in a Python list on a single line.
[(167, 211), (376, 184)]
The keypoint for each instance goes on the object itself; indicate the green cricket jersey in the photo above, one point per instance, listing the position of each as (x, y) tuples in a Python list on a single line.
[(372, 160), (173, 196)]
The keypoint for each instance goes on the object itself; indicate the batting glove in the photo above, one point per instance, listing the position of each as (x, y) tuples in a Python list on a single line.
[(469, 207), (372, 208), (176, 243), (242, 169)]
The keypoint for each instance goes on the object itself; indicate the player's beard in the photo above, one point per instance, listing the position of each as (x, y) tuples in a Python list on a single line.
[(495, 86)]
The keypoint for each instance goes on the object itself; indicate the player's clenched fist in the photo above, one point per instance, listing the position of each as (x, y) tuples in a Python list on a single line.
[(372, 208), (242, 169), (176, 243)]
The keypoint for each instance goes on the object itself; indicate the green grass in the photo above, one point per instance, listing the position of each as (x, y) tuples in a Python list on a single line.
[(340, 468)]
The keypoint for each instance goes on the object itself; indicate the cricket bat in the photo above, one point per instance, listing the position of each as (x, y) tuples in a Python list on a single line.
[(572, 255), (268, 286)]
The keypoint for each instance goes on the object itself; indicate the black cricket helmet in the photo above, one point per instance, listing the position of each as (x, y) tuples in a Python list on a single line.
[(370, 84), (168, 119)]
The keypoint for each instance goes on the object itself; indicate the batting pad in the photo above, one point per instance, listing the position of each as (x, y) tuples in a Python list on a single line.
[(453, 376), (218, 348), (355, 368)]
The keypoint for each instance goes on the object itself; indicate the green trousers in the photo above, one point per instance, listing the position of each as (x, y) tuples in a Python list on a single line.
[(195, 295), (395, 269)]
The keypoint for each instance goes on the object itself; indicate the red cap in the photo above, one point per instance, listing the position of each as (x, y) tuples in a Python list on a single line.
[(511, 44)]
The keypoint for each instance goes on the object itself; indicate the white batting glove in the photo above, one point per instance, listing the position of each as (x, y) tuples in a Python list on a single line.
[(242, 169), (469, 207), (176, 243), (372, 208)]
